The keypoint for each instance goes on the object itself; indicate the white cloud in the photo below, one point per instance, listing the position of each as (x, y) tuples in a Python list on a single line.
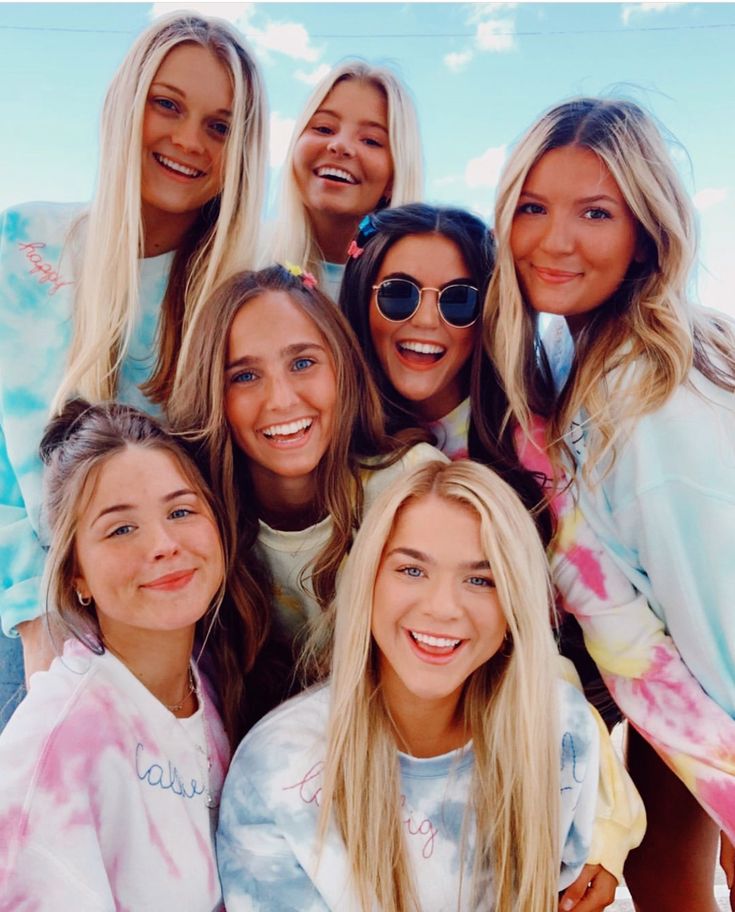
[(314, 76), (232, 12), (484, 171), (458, 60), (447, 180), (281, 129), (496, 35), (709, 197), (635, 10), (482, 11), (288, 38)]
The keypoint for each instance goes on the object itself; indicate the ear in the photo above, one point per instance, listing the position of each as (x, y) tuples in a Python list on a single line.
[(80, 587)]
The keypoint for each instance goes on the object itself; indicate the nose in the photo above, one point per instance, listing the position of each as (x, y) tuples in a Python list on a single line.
[(558, 236), (443, 599), (427, 314), (282, 394), (341, 145), (162, 542), (187, 136)]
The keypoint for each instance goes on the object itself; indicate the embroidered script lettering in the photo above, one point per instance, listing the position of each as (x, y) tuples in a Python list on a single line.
[(42, 268), (165, 777)]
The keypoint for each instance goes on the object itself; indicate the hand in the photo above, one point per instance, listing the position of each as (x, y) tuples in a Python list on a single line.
[(38, 650), (727, 862), (592, 891)]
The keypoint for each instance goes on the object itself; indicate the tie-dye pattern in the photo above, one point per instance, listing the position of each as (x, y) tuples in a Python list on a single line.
[(267, 837), (452, 431), (36, 294), (289, 555), (646, 564), (103, 795)]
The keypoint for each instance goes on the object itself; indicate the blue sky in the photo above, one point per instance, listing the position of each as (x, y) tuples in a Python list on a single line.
[(480, 74)]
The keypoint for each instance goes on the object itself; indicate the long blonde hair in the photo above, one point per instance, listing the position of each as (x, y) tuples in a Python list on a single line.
[(293, 239), (110, 239), (637, 348), (509, 710)]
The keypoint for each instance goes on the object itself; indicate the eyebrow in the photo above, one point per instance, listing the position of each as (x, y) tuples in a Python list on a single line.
[(297, 348), (602, 197), (426, 559), (119, 508), (362, 123), (461, 280), (177, 91)]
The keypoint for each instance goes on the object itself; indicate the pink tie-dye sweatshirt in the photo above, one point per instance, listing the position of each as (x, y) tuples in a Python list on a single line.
[(105, 794)]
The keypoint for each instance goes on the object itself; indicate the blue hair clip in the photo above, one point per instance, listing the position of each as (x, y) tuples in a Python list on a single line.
[(365, 230)]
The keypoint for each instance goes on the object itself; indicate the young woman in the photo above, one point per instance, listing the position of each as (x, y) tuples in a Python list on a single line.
[(354, 149), (97, 303), (113, 764), (593, 224), (444, 739), (277, 393)]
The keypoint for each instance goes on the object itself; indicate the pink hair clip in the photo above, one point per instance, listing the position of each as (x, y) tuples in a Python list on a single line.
[(306, 277), (354, 251)]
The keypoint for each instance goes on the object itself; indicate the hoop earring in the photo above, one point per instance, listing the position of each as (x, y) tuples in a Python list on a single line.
[(84, 601)]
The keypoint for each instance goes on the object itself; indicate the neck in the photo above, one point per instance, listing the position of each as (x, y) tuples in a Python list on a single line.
[(333, 234), (159, 660), (287, 504), (163, 232), (426, 728)]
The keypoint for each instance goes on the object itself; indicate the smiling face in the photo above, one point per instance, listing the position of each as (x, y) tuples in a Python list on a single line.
[(148, 549), (436, 615), (573, 237), (424, 356), (185, 127), (342, 161), (280, 390)]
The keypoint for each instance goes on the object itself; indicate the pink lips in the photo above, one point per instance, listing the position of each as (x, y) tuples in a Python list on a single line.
[(171, 581), (433, 658), (555, 276)]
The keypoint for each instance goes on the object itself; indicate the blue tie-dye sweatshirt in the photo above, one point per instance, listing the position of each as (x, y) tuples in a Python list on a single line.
[(36, 299), (267, 836)]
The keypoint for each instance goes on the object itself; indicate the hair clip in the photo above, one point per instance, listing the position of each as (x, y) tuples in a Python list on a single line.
[(365, 230), (306, 277)]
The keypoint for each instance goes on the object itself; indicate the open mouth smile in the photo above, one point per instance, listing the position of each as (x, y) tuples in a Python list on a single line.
[(423, 354), (176, 167), (288, 432), (434, 648), (338, 175)]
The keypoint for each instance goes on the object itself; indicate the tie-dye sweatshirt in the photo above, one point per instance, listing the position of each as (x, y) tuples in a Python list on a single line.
[(665, 515), (267, 837), (104, 795), (36, 298)]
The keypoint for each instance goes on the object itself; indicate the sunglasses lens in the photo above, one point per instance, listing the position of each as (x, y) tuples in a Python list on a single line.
[(459, 304), (397, 299)]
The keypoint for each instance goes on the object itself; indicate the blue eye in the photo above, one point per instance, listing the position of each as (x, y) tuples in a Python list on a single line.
[(246, 376), (481, 582), (412, 571), (369, 141), (121, 530), (301, 364), (530, 209), (165, 104), (220, 127), (181, 513), (597, 215), (323, 129)]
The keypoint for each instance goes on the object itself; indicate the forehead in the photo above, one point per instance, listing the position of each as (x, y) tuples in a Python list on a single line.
[(447, 530), (270, 321), (192, 69), (573, 169), (357, 99), (431, 258)]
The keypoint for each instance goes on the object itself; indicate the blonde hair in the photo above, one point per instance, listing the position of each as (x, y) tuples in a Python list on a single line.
[(638, 347), (509, 709), (109, 240), (294, 239)]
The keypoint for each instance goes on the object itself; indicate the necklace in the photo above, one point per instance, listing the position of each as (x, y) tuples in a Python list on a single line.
[(177, 707), (201, 751)]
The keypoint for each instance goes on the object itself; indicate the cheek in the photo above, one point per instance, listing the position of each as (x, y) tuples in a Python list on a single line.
[(461, 342), (240, 417), (380, 332)]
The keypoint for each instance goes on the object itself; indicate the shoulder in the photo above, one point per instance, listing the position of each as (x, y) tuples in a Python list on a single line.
[(379, 478), (38, 221), (578, 730)]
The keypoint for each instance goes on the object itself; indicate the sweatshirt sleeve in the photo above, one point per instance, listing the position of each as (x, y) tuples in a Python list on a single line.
[(257, 867), (620, 818), (644, 670)]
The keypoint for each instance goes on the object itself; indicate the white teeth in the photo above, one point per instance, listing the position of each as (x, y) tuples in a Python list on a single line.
[(336, 172), (423, 348), (441, 642), (175, 166), (284, 430)]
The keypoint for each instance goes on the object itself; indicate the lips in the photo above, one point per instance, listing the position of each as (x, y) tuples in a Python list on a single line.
[(288, 433), (555, 276), (434, 648), (177, 579), (418, 354), (177, 168), (338, 175)]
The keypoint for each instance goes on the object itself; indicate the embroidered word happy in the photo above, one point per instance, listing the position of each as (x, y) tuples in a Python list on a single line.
[(40, 267)]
